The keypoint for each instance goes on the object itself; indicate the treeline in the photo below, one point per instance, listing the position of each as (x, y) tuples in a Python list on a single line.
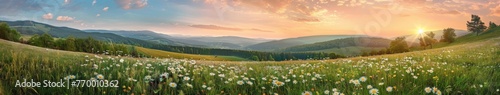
[(89, 45), (8, 34), (252, 55), (398, 45)]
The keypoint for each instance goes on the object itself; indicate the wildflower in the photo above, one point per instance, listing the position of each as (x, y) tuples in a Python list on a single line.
[(121, 60), (373, 91), (307, 93), (434, 89), (204, 86), (147, 78), (278, 83), (362, 79), (172, 85), (72, 76), (327, 92), (209, 88), (100, 76), (334, 90), (356, 82), (336, 93), (186, 78), (164, 75), (212, 74), (192, 62), (95, 66), (389, 89), (438, 92), (263, 88), (249, 83), (428, 90), (295, 81), (189, 85), (381, 83), (240, 82), (369, 87)]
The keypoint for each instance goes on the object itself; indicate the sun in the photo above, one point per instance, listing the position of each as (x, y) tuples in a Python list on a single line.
[(420, 31)]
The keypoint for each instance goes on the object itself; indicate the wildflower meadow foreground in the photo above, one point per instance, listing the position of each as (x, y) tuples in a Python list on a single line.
[(462, 69)]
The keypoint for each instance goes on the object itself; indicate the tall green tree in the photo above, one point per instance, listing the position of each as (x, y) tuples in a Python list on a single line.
[(475, 25), (448, 35), (70, 43), (46, 40), (399, 45), (492, 25), (7, 33), (427, 40), (271, 58)]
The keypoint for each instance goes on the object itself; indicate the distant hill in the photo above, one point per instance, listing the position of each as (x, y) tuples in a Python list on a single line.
[(284, 43), (142, 35), (32, 28), (223, 42), (345, 46)]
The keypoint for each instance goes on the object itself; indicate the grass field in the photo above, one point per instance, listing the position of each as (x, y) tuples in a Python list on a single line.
[(467, 68)]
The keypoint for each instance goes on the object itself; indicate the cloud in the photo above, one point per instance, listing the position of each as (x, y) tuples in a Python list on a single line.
[(495, 11), (47, 16), (260, 30), (436, 10), (98, 15), (296, 10), (132, 4), (67, 1), (93, 2), (65, 18), (215, 27), (105, 9)]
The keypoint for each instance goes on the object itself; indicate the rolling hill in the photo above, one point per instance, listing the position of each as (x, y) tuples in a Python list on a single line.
[(142, 35), (223, 42), (284, 43), (35, 28), (345, 46)]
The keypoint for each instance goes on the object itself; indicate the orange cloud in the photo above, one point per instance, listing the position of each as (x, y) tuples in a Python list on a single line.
[(495, 11), (65, 18), (47, 16)]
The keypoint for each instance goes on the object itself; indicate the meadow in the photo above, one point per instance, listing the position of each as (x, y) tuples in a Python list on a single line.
[(469, 68)]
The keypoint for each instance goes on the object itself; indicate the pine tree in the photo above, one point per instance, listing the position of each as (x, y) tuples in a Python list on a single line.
[(476, 25)]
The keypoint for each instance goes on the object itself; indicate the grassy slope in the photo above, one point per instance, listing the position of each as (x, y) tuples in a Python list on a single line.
[(472, 37), (166, 54), (350, 51)]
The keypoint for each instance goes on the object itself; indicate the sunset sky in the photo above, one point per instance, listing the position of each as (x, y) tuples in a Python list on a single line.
[(272, 19)]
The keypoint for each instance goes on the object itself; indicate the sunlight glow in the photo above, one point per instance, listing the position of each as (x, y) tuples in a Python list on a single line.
[(420, 31)]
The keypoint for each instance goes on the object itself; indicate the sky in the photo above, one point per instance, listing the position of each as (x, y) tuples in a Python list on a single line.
[(270, 19)]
